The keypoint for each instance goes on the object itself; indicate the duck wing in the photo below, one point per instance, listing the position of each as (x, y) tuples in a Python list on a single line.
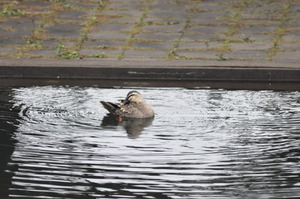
[(129, 112), (111, 107)]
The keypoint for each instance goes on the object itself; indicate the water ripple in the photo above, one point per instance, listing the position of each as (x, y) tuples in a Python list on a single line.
[(201, 144)]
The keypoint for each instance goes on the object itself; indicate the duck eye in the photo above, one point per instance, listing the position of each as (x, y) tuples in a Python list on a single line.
[(125, 102)]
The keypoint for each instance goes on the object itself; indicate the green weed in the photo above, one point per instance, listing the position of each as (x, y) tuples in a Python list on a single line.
[(9, 11), (221, 57), (100, 55), (66, 53), (34, 44)]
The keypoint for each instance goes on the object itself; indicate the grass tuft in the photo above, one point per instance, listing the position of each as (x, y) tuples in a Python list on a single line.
[(66, 53), (10, 11)]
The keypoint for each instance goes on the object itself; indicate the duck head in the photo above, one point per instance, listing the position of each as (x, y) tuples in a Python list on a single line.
[(132, 97)]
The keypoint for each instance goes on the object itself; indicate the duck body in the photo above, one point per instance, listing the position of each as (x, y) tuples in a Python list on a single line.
[(134, 106)]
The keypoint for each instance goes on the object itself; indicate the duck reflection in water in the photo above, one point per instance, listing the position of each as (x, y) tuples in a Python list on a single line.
[(133, 113), (133, 126)]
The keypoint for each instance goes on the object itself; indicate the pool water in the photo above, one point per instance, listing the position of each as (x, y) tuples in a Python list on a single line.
[(57, 142)]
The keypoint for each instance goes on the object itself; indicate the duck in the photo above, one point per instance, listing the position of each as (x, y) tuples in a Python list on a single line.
[(134, 106)]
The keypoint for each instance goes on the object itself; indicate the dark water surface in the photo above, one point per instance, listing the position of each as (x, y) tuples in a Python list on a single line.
[(57, 142)]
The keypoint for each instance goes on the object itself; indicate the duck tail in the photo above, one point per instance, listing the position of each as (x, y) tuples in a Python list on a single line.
[(111, 107)]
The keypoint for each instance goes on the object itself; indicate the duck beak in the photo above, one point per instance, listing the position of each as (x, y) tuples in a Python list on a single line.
[(124, 102)]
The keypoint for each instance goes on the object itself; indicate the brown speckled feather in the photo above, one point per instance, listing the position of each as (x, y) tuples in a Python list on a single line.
[(134, 106)]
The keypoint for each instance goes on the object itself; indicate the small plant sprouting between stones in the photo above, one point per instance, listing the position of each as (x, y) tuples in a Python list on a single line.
[(34, 44), (100, 55), (103, 46), (172, 54), (221, 57), (9, 11), (66, 53)]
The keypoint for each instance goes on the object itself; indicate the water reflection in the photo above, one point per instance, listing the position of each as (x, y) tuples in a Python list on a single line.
[(8, 125), (202, 144), (133, 126)]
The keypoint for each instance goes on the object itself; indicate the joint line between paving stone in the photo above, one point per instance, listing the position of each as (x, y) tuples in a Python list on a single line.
[(280, 31), (136, 29), (235, 19), (172, 54), (33, 40), (89, 24)]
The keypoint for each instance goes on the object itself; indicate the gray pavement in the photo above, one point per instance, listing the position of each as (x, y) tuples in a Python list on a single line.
[(218, 35)]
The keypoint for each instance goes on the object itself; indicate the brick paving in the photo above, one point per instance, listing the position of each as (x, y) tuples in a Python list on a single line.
[(224, 30)]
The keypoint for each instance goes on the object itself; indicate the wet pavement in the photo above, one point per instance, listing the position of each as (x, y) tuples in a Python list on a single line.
[(118, 33)]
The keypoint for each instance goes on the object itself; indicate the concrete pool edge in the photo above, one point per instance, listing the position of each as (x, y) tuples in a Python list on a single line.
[(150, 73)]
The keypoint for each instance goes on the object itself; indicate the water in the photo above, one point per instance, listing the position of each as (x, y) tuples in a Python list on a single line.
[(56, 142)]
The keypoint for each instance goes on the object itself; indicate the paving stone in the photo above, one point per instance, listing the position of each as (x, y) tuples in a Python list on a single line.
[(166, 28), (7, 41), (253, 37), (127, 5), (211, 6), (295, 8), (155, 45), (252, 13), (293, 56), (255, 13), (258, 30), (83, 5), (202, 36), (206, 30), (247, 54), (163, 5), (129, 1), (121, 19), (168, 14), (73, 15), (158, 36), (198, 54), (289, 46), (260, 22), (291, 38), (108, 35), (50, 43), (208, 22), (294, 30), (270, 10), (34, 3), (6, 50), (145, 53), (99, 52), (64, 30), (294, 21), (115, 27), (67, 44), (12, 33), (294, 16), (43, 52), (104, 43), (199, 45), (128, 13), (164, 21), (209, 18), (20, 27), (250, 46), (207, 15)]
